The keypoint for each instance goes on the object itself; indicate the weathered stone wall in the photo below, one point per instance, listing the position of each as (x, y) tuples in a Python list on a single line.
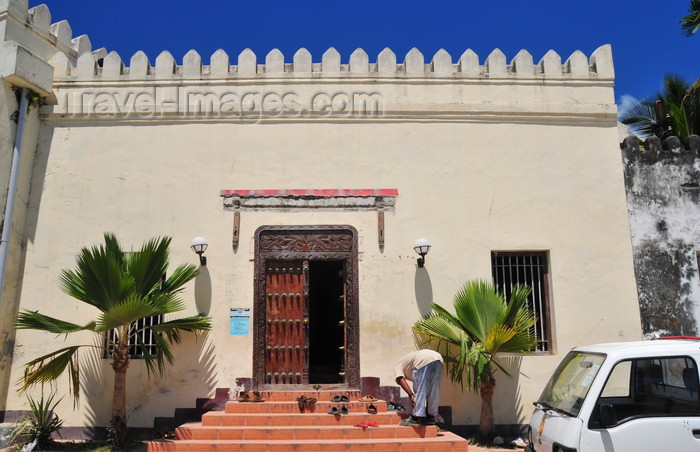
[(663, 197)]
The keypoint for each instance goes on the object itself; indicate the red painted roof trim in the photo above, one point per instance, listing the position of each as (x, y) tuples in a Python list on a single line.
[(692, 338), (316, 193)]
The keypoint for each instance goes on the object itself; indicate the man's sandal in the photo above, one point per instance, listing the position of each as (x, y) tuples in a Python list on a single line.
[(257, 397)]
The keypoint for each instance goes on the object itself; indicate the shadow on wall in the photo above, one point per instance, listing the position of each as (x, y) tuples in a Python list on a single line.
[(423, 290), (507, 397), (202, 291), (96, 383), (192, 375), (509, 416)]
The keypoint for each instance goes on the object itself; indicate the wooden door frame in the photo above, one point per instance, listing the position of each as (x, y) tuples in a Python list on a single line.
[(313, 243)]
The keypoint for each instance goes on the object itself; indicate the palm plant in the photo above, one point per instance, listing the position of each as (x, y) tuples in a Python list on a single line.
[(678, 99), (125, 287), (690, 24), (484, 324)]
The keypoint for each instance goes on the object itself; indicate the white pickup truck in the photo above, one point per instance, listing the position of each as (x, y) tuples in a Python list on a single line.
[(621, 397)]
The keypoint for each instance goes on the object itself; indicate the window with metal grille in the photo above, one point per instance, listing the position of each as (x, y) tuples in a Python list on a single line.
[(146, 336), (526, 268)]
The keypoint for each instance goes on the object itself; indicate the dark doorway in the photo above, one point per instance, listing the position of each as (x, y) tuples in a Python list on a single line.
[(326, 322)]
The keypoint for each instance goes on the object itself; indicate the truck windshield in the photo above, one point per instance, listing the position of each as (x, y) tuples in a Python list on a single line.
[(569, 385)]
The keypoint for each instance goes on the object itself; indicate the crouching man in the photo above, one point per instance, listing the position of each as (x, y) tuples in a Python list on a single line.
[(424, 369)]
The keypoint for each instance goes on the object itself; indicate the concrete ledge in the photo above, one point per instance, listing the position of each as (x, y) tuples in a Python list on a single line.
[(22, 68)]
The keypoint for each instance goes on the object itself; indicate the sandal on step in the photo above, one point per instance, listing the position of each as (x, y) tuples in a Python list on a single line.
[(343, 410), (257, 397), (361, 425), (372, 409), (301, 401), (368, 398), (243, 396), (333, 410), (372, 424)]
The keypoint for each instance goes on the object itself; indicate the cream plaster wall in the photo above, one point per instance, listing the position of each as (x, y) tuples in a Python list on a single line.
[(469, 188)]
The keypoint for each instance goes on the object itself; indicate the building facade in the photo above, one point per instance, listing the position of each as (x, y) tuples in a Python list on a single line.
[(313, 176)]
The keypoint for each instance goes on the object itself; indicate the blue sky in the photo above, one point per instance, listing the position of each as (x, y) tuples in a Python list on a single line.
[(644, 34)]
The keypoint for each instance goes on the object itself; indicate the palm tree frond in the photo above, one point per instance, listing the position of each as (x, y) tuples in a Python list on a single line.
[(517, 301), (149, 265), (478, 306), (441, 328), (50, 367), (180, 276), (690, 24), (125, 313), (32, 320), (194, 324)]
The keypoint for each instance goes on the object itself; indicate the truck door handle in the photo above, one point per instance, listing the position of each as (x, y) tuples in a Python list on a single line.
[(696, 433)]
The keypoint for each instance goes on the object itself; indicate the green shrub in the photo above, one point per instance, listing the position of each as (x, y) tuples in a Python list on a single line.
[(38, 426)]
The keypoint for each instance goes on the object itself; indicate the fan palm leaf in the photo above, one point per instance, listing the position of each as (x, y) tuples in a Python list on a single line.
[(51, 366), (690, 24), (35, 321), (678, 99)]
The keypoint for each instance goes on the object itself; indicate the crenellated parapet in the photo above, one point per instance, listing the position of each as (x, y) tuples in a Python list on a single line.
[(655, 149), (92, 66), (105, 87)]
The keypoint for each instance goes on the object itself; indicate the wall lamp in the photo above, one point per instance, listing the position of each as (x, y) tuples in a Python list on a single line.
[(199, 245), (422, 246)]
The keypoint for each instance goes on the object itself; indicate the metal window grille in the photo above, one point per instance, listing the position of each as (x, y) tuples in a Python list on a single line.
[(530, 268), (146, 336)]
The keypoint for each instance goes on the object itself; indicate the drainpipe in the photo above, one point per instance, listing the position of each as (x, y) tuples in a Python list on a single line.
[(9, 207)]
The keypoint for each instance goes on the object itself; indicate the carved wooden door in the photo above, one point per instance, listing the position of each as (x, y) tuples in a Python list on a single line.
[(287, 318)]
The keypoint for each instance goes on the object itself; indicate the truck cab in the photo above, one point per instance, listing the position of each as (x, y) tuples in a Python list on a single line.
[(621, 397)]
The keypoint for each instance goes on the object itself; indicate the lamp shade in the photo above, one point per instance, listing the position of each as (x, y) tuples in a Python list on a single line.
[(199, 245), (422, 246)]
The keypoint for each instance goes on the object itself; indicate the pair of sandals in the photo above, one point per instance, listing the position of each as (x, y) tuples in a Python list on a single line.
[(336, 411), (244, 396), (341, 398), (305, 402), (393, 406)]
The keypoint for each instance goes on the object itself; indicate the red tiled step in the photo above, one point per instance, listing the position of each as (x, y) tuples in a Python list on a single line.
[(219, 418), (197, 431), (293, 407), (444, 442), (293, 395), (278, 425)]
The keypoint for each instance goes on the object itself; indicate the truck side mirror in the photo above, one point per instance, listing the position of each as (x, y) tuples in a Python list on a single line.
[(608, 415)]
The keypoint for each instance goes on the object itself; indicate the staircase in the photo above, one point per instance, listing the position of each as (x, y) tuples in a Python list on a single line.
[(278, 424)]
